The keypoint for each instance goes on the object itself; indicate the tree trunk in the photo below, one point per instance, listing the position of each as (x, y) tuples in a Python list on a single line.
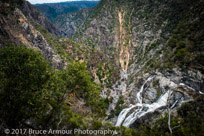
[(169, 119), (169, 112)]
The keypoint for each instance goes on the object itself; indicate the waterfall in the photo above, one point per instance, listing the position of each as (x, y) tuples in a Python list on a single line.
[(139, 96), (146, 108), (125, 111), (141, 109), (123, 114)]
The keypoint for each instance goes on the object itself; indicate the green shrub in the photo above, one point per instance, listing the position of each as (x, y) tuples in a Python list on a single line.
[(172, 43), (23, 75), (119, 106), (180, 53)]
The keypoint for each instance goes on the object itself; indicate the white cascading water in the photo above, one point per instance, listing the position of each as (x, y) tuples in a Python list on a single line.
[(142, 109), (123, 114), (139, 96), (146, 108)]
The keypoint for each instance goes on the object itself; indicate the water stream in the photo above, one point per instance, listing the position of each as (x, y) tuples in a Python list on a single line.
[(140, 109)]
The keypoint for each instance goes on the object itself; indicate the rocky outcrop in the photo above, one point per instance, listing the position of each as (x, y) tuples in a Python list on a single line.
[(15, 28), (171, 80), (37, 18)]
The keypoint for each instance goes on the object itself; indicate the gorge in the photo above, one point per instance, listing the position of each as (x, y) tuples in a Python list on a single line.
[(134, 66)]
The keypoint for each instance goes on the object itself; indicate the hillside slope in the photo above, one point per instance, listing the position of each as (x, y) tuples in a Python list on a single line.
[(17, 29), (37, 18), (52, 10), (158, 46), (47, 82), (68, 24)]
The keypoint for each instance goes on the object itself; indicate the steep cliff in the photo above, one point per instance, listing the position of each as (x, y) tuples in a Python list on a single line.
[(16, 29), (37, 18), (68, 24), (158, 39), (45, 82)]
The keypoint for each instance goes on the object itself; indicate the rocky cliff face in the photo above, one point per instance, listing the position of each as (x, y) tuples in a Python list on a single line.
[(30, 28), (68, 24), (15, 28), (148, 39), (37, 18)]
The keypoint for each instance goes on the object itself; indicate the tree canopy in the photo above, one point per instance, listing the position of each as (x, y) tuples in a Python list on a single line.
[(31, 89), (23, 75)]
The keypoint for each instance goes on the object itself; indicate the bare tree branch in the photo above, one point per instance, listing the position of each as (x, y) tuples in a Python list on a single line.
[(169, 111)]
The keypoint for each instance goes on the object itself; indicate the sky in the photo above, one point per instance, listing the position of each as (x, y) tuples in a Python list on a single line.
[(52, 1)]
